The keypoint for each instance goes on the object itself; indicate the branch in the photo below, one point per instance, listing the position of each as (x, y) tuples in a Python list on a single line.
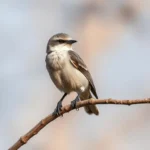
[(24, 139)]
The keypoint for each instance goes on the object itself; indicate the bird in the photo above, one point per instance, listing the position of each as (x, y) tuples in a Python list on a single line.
[(68, 72)]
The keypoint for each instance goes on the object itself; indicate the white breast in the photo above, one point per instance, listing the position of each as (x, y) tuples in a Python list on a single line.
[(64, 75), (56, 59)]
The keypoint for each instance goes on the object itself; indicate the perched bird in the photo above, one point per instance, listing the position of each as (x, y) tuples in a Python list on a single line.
[(69, 72)]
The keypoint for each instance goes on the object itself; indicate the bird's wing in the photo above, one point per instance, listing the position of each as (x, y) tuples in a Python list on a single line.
[(79, 64)]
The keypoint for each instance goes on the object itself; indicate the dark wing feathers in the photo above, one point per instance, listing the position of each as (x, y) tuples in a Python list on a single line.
[(79, 64)]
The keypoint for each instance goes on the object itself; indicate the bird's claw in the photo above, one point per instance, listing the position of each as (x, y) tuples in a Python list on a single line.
[(74, 103), (58, 109)]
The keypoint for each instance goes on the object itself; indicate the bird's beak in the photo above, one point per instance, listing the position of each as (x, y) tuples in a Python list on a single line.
[(71, 41)]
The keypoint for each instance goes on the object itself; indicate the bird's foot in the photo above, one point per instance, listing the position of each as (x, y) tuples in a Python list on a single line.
[(74, 102), (58, 109)]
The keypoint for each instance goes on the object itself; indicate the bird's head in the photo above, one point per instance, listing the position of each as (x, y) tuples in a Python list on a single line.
[(60, 42)]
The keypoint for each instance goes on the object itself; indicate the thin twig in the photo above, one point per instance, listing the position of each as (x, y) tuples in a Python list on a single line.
[(24, 139)]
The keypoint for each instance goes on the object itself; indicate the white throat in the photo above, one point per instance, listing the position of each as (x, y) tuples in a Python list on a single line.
[(61, 47)]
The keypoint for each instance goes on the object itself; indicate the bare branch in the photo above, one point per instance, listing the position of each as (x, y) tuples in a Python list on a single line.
[(23, 140)]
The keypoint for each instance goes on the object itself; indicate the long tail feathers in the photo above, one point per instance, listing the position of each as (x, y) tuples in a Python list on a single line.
[(90, 109)]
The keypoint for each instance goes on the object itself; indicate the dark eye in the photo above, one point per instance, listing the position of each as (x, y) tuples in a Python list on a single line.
[(61, 41)]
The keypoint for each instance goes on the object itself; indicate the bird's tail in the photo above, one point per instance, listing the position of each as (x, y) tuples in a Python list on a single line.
[(90, 109)]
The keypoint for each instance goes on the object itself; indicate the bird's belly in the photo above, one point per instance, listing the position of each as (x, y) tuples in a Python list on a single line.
[(69, 79), (64, 75)]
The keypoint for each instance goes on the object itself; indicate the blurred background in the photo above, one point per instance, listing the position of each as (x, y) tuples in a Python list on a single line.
[(114, 41)]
